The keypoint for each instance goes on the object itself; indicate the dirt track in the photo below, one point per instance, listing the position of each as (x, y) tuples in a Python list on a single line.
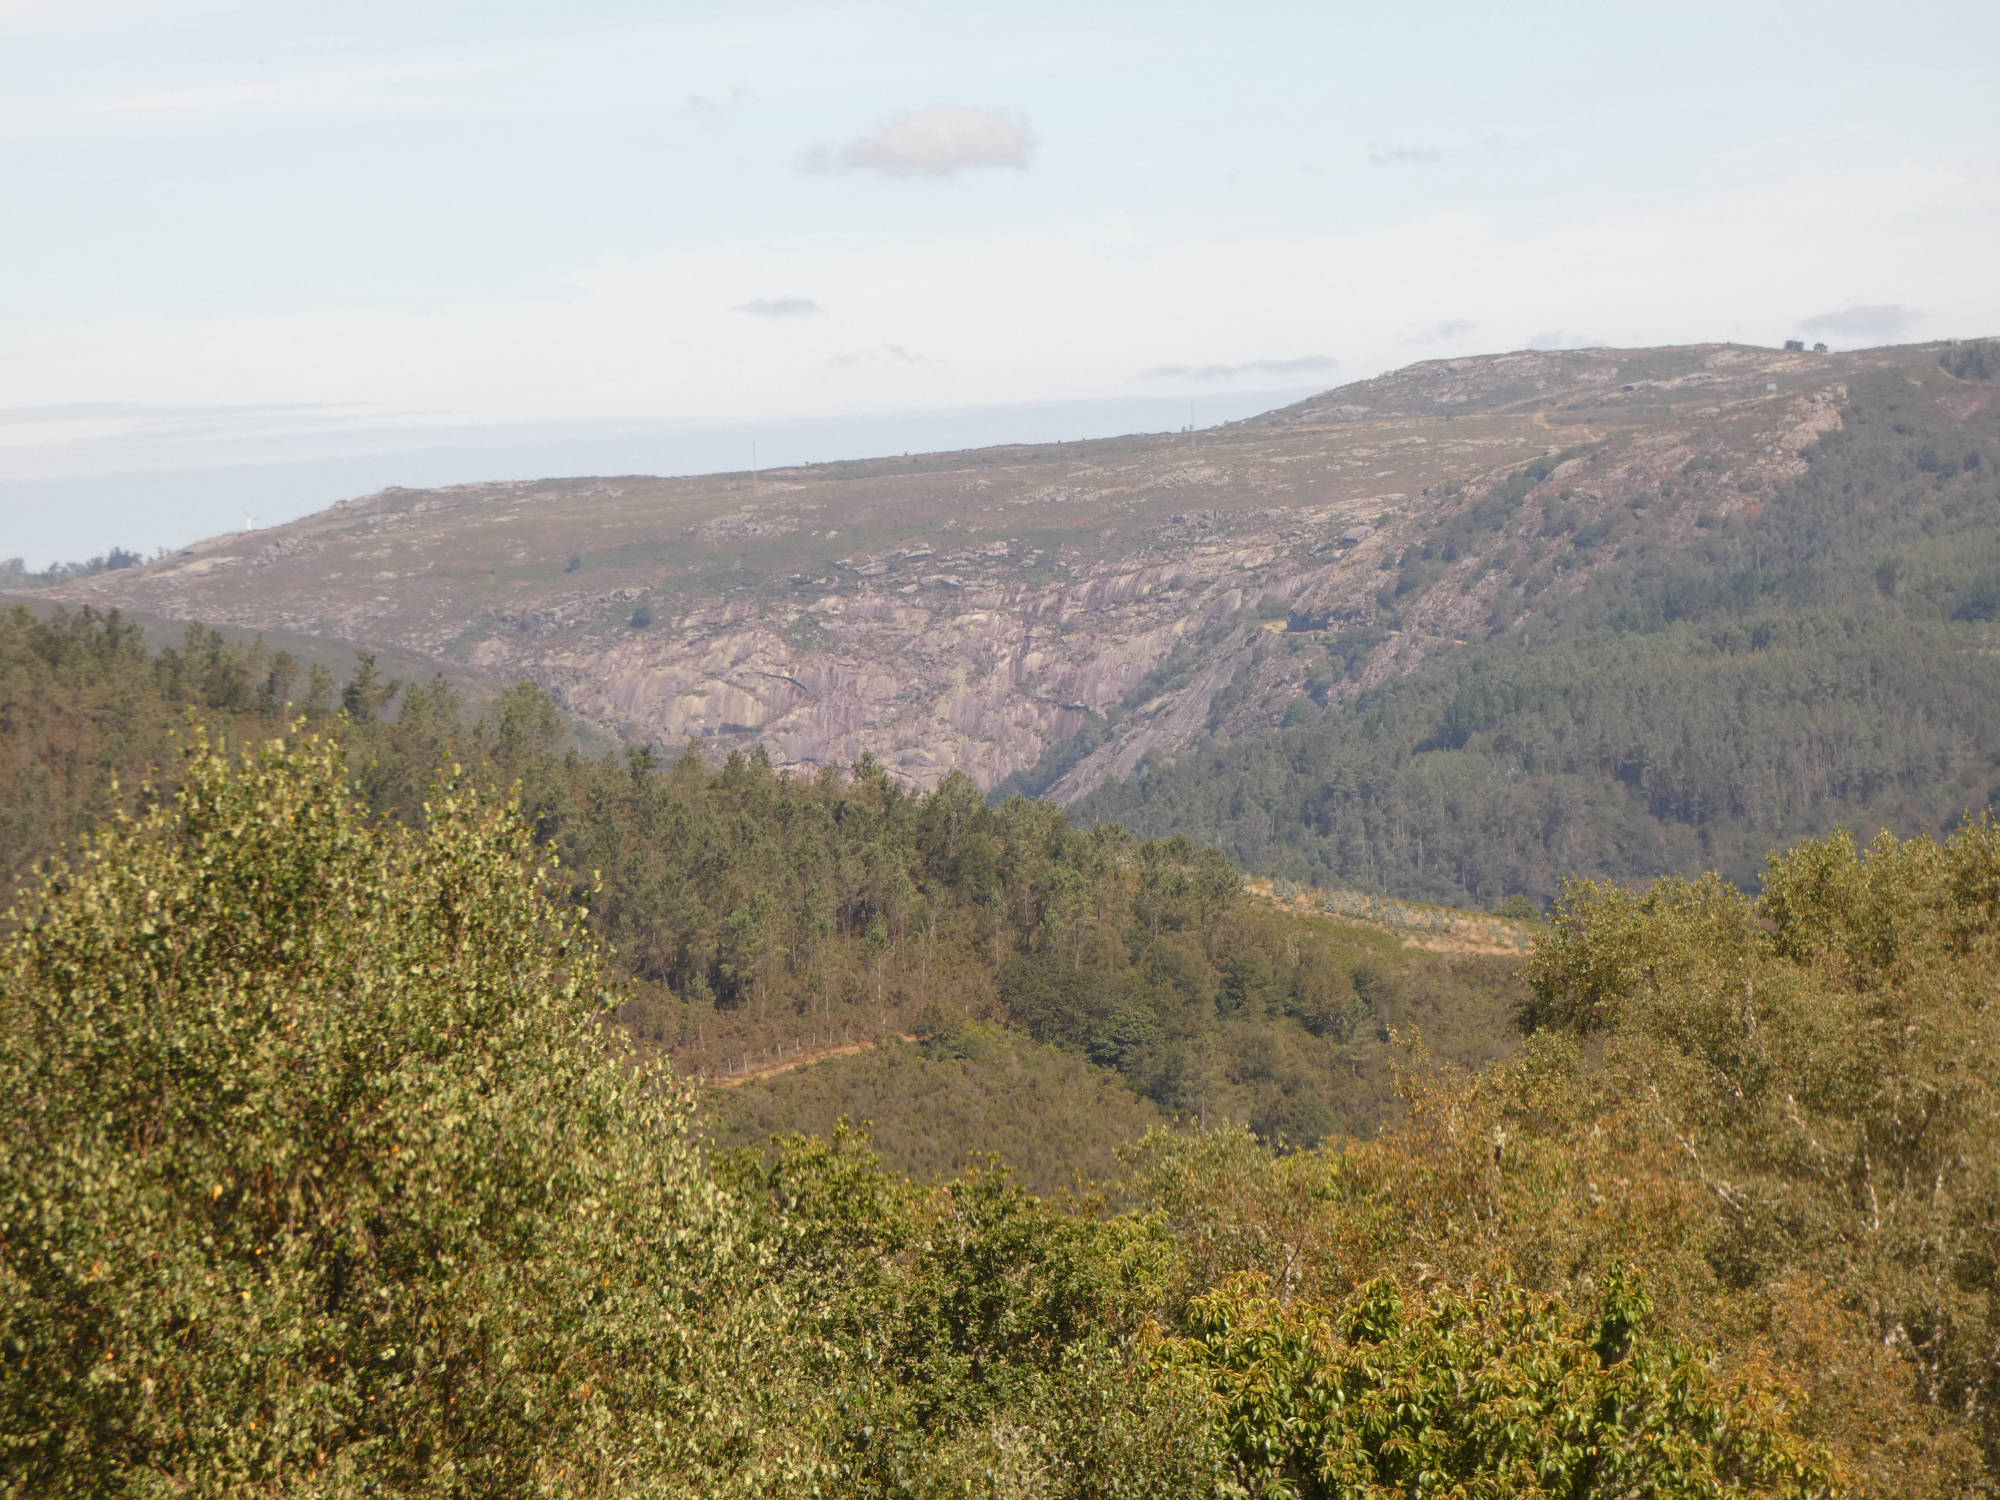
[(798, 1060)]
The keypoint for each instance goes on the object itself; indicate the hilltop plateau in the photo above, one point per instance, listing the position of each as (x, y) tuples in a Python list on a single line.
[(1041, 618)]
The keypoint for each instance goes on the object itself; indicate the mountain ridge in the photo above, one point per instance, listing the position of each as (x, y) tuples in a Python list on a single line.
[(975, 611)]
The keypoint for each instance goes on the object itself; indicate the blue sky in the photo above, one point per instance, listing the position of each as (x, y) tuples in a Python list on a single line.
[(259, 256)]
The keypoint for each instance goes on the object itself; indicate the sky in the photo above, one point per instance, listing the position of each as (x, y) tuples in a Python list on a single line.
[(259, 255)]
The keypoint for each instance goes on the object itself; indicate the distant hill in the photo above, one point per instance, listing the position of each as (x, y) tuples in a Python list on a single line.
[(1040, 618)]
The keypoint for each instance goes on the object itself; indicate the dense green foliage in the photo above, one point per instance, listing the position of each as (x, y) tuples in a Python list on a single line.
[(1718, 685), (1506, 1393), (328, 1181), (87, 710), (1828, 1055), (327, 1176), (320, 1177), (1978, 360)]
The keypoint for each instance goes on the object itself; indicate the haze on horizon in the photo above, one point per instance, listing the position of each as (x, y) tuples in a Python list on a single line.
[(262, 256)]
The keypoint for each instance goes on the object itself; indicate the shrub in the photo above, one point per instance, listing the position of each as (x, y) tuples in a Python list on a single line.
[(1978, 360), (1492, 1392)]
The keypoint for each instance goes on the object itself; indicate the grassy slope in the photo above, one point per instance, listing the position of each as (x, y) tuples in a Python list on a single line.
[(987, 1087), (931, 1106)]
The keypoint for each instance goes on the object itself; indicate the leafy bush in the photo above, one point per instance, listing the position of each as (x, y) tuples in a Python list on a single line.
[(322, 1174), (1493, 1392)]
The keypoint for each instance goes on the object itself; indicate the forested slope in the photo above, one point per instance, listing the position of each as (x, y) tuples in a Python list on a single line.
[(1044, 969), (1706, 686)]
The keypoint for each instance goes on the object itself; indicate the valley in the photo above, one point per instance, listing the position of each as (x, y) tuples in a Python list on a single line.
[(1274, 1028)]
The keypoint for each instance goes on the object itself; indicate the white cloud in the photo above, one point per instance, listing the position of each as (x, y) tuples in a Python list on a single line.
[(85, 437), (1072, 312), (941, 141), (372, 88), (779, 307), (1394, 154)]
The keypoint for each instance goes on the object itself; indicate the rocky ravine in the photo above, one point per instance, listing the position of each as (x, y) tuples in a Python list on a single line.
[(970, 611)]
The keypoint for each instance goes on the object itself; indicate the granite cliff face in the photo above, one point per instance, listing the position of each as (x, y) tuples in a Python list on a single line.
[(1053, 614)]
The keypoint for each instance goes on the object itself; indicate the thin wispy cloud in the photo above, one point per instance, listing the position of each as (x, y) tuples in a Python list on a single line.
[(86, 15), (1402, 154), (102, 436), (1880, 321), (376, 86), (941, 141), (85, 420), (780, 307), (1307, 364), (884, 354)]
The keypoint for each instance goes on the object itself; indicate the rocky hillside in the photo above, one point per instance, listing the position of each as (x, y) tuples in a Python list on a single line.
[(1041, 617), (1667, 665)]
